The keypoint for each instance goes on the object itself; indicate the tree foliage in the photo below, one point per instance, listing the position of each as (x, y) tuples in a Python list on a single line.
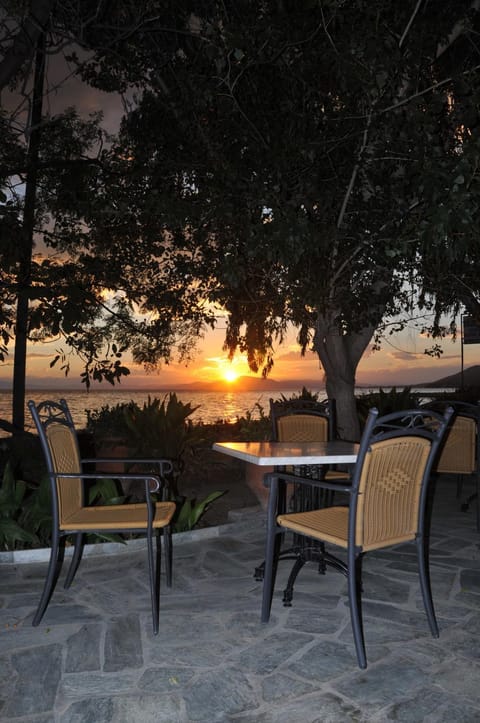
[(311, 162), (317, 161), (60, 281)]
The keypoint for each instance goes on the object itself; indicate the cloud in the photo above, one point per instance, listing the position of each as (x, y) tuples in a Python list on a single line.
[(40, 355), (296, 356), (403, 355)]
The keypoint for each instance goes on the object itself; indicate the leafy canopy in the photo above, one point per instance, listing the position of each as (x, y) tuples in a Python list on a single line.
[(313, 163)]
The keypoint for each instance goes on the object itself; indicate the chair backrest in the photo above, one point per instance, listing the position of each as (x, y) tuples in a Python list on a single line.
[(58, 438), (390, 479), (301, 420), (459, 453)]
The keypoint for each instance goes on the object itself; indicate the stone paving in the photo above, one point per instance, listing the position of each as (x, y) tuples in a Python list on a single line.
[(94, 658)]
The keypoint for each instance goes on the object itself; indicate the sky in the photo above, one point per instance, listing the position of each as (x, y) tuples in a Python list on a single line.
[(400, 362)]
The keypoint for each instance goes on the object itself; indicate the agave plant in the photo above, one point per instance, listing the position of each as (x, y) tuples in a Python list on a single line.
[(160, 429), (12, 500), (191, 511), (386, 402)]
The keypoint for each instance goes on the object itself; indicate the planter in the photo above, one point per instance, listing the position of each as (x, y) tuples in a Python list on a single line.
[(254, 475), (115, 447)]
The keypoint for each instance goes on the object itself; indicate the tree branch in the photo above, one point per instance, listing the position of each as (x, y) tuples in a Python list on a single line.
[(410, 22), (457, 30), (430, 88), (353, 177), (24, 43)]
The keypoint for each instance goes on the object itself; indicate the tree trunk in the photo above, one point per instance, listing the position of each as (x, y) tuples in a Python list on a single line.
[(26, 250), (339, 355)]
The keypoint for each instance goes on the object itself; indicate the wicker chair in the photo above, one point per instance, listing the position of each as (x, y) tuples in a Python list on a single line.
[(388, 500), (299, 420), (460, 452), (70, 516)]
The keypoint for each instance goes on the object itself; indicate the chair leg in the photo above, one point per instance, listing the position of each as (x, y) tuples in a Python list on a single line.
[(270, 573), (478, 512), (459, 486), (288, 592), (355, 602), (76, 558), (154, 575), (167, 538), (477, 495), (424, 572), (54, 566)]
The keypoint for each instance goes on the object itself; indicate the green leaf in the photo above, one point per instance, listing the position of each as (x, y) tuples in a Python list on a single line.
[(191, 512), (104, 491), (11, 532)]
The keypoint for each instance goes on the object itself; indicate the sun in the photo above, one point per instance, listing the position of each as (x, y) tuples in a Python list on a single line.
[(229, 375)]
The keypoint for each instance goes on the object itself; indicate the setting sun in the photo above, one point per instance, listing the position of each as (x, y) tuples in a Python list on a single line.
[(230, 375)]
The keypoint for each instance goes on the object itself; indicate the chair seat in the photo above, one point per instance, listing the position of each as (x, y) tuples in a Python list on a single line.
[(330, 524), (114, 517)]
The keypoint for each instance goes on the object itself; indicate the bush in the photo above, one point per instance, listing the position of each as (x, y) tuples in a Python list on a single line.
[(109, 421), (386, 402)]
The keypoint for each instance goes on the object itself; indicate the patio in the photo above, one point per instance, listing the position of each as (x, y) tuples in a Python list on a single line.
[(94, 658)]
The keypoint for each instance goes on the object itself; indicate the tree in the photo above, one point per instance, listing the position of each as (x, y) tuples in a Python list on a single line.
[(71, 290), (315, 160), (293, 162)]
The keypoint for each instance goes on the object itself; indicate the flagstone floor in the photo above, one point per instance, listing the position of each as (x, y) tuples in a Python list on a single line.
[(94, 659)]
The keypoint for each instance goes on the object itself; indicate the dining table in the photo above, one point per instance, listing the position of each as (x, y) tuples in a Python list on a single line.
[(299, 458), (265, 454)]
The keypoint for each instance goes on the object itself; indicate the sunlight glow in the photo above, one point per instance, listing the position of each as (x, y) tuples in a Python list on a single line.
[(230, 375)]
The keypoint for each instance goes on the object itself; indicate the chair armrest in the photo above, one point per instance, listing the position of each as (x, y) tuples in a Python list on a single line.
[(167, 463), (140, 477), (295, 479)]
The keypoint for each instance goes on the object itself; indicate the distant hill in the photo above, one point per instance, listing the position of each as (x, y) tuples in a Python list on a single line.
[(471, 378)]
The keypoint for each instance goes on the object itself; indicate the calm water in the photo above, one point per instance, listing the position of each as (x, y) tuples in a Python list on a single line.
[(212, 406)]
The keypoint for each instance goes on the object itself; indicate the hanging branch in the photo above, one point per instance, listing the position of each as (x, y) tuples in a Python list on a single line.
[(355, 170), (25, 41), (410, 23)]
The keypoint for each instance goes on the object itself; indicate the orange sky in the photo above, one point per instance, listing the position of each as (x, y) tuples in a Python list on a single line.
[(401, 362)]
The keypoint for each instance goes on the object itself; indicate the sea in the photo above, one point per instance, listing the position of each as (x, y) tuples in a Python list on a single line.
[(211, 407)]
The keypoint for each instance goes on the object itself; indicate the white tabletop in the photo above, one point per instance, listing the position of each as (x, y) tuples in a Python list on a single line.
[(281, 453)]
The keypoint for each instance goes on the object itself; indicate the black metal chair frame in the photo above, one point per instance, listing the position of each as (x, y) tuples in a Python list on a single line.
[(49, 412), (470, 411), (304, 497), (410, 422)]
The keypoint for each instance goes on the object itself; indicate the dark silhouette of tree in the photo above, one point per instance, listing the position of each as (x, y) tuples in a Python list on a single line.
[(58, 281), (317, 161), (306, 163)]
